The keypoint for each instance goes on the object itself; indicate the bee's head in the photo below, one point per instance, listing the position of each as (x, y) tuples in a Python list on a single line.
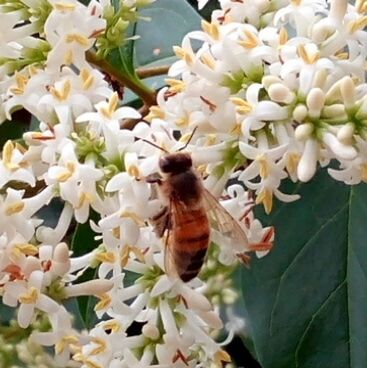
[(174, 163)]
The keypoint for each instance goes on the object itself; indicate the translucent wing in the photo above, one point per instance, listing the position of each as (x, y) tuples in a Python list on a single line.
[(222, 221)]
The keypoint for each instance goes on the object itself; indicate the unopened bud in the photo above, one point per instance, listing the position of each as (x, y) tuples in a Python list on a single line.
[(345, 133), (348, 91), (278, 92), (303, 131), (315, 102), (300, 113)]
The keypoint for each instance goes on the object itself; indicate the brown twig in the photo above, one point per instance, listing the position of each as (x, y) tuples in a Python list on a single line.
[(145, 93), (130, 123), (152, 71)]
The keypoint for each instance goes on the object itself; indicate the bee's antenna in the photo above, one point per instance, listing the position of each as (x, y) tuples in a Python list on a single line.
[(152, 144), (189, 140)]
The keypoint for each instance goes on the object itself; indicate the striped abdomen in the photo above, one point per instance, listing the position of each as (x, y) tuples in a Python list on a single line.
[(189, 242)]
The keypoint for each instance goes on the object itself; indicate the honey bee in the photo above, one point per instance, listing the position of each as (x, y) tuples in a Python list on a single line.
[(189, 213)]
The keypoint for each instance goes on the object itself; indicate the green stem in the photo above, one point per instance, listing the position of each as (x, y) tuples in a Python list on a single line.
[(140, 89)]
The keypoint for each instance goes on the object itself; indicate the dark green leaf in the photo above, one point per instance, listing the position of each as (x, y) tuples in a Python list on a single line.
[(307, 299), (82, 243), (170, 21)]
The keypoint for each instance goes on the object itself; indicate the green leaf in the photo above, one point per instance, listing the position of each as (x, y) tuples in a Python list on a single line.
[(170, 21), (82, 243), (307, 299)]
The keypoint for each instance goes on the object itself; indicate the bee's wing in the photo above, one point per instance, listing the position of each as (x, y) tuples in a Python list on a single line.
[(222, 221)]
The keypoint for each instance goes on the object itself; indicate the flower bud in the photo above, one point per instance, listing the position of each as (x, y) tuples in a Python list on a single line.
[(348, 91), (300, 113), (268, 80), (315, 102), (345, 133), (303, 131), (278, 92), (334, 111), (150, 331)]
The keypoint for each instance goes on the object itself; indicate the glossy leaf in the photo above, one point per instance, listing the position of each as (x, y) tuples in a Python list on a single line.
[(307, 299)]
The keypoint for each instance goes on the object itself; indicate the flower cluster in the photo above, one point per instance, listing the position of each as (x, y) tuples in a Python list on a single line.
[(284, 82), (80, 155)]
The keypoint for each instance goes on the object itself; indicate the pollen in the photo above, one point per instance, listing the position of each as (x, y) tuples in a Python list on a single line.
[(358, 24), (283, 36), (63, 93), (69, 57), (8, 150), (106, 257), (21, 83), (105, 301), (68, 173), (175, 86), (101, 346), (30, 297), (112, 325), (64, 6), (264, 166), (112, 105), (266, 198), (133, 171), (14, 208), (208, 60), (251, 40), (307, 56), (78, 38), (292, 162), (87, 79), (242, 107), (211, 29), (184, 55), (84, 198), (222, 356), (361, 6), (26, 249), (65, 342)]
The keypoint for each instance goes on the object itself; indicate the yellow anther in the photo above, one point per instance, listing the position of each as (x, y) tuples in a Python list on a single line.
[(124, 256), (361, 6), (296, 2), (30, 297), (175, 85), (208, 60), (104, 302), (266, 198), (264, 166), (358, 24), (63, 93), (68, 173), (87, 79), (91, 364), (112, 105), (84, 198), (26, 249), (184, 55), (69, 57), (308, 57), (14, 208), (242, 106), (283, 36), (155, 112), (65, 342), (222, 356), (21, 83), (251, 40), (133, 171), (211, 29), (101, 346), (112, 325), (8, 150), (78, 38), (64, 6), (182, 122), (292, 162), (106, 257)]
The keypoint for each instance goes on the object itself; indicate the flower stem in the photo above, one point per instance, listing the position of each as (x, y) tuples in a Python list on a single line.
[(139, 88)]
